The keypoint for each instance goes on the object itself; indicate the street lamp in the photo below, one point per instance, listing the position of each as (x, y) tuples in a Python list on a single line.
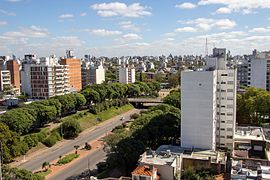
[(88, 164)]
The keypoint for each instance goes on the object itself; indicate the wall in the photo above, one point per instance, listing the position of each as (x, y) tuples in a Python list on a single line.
[(198, 109)]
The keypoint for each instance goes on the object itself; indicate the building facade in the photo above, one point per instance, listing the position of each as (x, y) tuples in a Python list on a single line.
[(208, 105), (14, 68), (97, 74), (74, 72), (5, 81), (126, 74), (45, 79)]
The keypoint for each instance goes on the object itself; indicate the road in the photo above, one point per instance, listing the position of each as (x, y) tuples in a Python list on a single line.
[(81, 165), (66, 146)]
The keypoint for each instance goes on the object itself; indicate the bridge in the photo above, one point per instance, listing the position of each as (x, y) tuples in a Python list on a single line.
[(145, 100)]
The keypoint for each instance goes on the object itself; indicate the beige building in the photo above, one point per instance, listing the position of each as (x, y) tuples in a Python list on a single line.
[(5, 81), (74, 70), (44, 79)]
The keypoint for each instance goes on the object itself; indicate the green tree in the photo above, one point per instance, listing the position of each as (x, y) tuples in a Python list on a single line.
[(173, 99), (71, 128), (80, 100), (91, 95)]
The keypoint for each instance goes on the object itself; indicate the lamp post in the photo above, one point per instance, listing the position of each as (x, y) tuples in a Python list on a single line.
[(89, 171)]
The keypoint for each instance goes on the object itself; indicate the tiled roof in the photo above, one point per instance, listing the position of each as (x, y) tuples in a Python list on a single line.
[(143, 170)]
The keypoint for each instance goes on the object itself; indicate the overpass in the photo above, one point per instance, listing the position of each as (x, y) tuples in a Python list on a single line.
[(145, 100)]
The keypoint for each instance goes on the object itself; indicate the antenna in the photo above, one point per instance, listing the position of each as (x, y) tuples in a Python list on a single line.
[(206, 47)]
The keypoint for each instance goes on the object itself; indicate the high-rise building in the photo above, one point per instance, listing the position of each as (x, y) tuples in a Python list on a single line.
[(14, 68), (44, 79), (126, 74), (97, 74), (254, 70), (74, 70), (92, 73), (208, 104), (4, 79)]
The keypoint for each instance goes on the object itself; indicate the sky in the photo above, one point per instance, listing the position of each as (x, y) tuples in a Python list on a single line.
[(128, 27)]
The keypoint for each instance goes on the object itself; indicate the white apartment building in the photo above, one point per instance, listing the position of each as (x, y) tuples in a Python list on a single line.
[(126, 75), (44, 79), (92, 73), (198, 109), (97, 74), (5, 79), (208, 105), (257, 73)]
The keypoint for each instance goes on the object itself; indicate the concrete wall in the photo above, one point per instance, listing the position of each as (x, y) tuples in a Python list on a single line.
[(258, 71), (198, 109)]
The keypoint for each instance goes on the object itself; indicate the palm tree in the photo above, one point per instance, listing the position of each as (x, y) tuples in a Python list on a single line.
[(76, 147)]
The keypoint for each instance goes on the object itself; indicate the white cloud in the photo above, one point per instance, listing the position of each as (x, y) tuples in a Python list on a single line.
[(260, 30), (103, 32), (66, 41), (207, 24), (66, 16), (169, 39), (244, 6), (3, 23), (120, 9), (128, 37), (185, 29), (223, 10), (128, 25), (131, 36), (14, 1), (2, 11), (83, 14), (186, 5), (30, 32)]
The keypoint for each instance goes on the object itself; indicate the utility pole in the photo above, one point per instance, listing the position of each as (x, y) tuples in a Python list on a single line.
[(89, 171), (1, 154)]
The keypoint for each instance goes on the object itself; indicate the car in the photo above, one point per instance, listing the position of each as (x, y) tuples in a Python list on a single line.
[(122, 118)]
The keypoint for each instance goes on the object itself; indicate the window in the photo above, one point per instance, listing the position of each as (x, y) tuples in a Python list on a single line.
[(222, 129), (230, 82), (229, 129), (229, 137), (229, 114), (231, 74), (229, 106), (229, 98), (222, 113), (229, 90), (222, 121), (223, 82), (224, 74)]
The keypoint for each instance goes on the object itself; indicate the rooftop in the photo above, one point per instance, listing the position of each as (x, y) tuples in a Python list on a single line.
[(143, 170), (249, 133), (166, 155)]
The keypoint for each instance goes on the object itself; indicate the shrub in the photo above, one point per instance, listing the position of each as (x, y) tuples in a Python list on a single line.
[(41, 136), (134, 116), (71, 128), (52, 139), (67, 159), (31, 140)]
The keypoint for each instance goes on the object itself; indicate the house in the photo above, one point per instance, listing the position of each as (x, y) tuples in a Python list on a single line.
[(145, 172)]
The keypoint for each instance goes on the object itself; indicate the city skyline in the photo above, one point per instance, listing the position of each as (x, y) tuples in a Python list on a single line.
[(143, 27)]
